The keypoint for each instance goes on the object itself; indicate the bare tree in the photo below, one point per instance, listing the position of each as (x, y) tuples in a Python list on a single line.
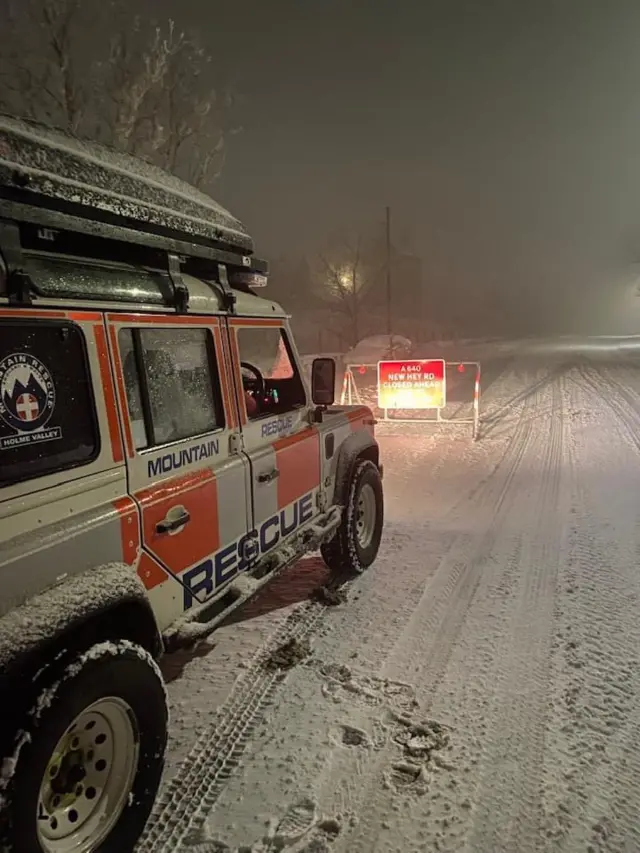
[(342, 280), (138, 65), (152, 91), (42, 77), (58, 17), (197, 116)]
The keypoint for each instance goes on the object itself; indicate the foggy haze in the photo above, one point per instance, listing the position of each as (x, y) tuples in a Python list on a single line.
[(504, 135)]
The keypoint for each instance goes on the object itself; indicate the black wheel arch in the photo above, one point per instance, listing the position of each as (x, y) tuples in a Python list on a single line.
[(361, 445)]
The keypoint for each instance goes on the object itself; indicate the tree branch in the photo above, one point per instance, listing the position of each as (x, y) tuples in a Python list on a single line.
[(154, 91)]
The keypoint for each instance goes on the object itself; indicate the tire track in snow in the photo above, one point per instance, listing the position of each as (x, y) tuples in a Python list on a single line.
[(624, 409), (608, 752), (455, 569), (202, 777), (184, 805), (624, 379), (556, 758), (494, 695), (512, 779), (399, 599), (615, 827), (599, 714), (425, 646)]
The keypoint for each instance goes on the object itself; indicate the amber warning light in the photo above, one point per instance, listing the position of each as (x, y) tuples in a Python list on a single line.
[(415, 384)]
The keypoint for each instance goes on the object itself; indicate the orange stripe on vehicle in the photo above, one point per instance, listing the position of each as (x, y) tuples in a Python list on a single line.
[(163, 319), (122, 396), (85, 316), (150, 573), (198, 493), (256, 321), (129, 529), (228, 396), (298, 461), (29, 312), (235, 367), (109, 393), (228, 358), (171, 488)]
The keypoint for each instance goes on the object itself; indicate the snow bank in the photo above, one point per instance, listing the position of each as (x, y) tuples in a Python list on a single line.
[(376, 348), (574, 344)]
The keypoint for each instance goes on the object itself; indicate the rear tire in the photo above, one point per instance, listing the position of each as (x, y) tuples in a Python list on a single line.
[(356, 542), (92, 755)]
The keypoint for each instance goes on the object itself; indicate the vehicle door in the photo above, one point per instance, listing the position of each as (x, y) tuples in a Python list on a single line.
[(282, 446), (181, 427)]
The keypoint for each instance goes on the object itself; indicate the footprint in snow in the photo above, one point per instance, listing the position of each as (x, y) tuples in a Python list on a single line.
[(296, 822), (350, 736), (420, 743), (404, 777), (343, 685), (419, 740), (300, 830)]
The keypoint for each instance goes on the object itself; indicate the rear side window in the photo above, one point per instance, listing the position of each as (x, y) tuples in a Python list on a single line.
[(172, 384), (47, 412)]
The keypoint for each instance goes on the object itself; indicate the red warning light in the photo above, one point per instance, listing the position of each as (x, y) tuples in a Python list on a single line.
[(362, 369), (461, 368)]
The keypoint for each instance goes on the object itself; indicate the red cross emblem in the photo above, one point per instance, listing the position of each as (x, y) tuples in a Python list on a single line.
[(27, 407)]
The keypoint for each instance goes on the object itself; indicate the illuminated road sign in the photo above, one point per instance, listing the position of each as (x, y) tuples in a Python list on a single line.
[(415, 384)]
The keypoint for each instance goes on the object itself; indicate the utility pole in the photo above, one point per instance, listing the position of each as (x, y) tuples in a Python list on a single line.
[(389, 328)]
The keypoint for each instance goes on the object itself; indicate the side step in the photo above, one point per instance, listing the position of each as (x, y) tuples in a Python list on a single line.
[(202, 620)]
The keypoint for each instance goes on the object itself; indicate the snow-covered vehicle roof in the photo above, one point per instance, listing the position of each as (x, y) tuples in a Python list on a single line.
[(92, 179), (378, 347)]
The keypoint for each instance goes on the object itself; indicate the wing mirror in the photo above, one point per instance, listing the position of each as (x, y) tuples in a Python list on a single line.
[(323, 381)]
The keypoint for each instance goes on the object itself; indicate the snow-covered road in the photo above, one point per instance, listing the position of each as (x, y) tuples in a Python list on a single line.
[(479, 690)]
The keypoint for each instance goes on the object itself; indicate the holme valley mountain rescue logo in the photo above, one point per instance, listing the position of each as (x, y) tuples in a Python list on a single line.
[(27, 401)]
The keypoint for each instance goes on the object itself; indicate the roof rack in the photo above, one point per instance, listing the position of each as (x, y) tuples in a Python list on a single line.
[(62, 196)]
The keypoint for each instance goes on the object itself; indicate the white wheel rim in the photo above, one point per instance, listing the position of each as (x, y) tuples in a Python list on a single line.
[(366, 515), (88, 779)]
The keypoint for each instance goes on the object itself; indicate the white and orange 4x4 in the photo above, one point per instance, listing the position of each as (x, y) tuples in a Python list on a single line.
[(161, 457)]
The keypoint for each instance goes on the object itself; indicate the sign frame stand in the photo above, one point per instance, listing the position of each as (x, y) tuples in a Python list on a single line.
[(350, 393), (350, 388)]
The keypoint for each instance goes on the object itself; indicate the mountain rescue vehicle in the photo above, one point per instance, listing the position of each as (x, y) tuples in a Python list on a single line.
[(162, 456)]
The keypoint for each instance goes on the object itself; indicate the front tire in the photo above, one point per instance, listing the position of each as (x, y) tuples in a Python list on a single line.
[(356, 542), (86, 776)]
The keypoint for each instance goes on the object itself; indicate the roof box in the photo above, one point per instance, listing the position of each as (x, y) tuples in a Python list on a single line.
[(48, 169)]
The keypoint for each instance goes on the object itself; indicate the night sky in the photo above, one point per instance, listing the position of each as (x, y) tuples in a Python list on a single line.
[(505, 136)]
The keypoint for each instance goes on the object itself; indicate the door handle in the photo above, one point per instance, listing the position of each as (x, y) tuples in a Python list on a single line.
[(173, 522), (268, 476)]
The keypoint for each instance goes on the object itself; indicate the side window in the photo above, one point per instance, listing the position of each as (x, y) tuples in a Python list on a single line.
[(271, 381), (47, 412), (172, 384)]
